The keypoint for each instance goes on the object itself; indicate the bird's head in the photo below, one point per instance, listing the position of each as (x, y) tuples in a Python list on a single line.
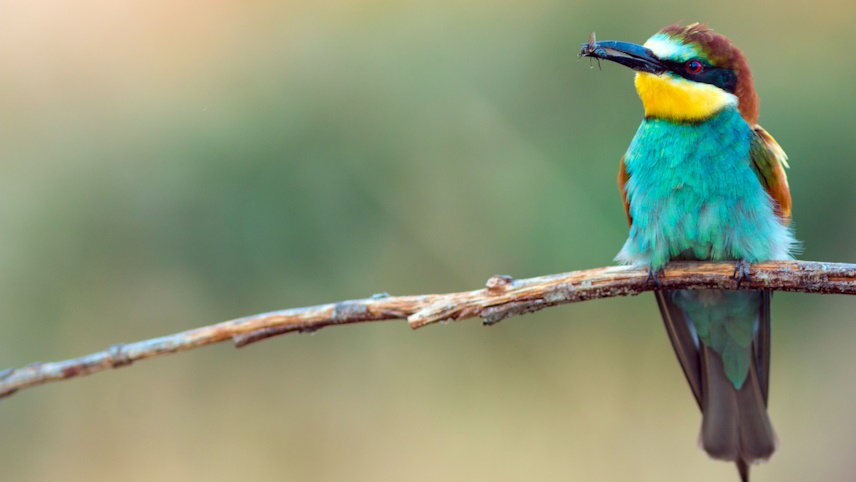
[(685, 73)]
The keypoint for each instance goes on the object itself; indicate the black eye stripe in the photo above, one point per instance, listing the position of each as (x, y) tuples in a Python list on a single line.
[(725, 79)]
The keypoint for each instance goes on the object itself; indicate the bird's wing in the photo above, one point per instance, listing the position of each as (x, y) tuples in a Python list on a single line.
[(683, 342), (769, 161), (762, 344), (623, 176)]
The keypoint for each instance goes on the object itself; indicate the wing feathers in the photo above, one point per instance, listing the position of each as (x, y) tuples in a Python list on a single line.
[(769, 162), (762, 345), (682, 341), (622, 182)]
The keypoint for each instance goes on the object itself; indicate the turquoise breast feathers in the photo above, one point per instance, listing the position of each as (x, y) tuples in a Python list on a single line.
[(694, 195)]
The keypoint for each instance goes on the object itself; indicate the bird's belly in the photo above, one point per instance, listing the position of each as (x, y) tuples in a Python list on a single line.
[(688, 227)]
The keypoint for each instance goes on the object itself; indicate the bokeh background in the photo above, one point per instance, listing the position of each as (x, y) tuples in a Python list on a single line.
[(171, 164)]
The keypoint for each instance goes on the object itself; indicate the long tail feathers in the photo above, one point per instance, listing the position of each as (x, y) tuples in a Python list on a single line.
[(757, 438), (735, 424), (720, 434), (743, 470)]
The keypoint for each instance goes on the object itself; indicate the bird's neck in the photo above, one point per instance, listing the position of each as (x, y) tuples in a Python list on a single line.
[(673, 98)]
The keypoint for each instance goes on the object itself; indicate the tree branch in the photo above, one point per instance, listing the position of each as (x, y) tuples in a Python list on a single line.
[(503, 297)]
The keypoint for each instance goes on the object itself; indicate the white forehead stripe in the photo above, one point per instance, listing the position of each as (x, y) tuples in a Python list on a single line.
[(666, 47)]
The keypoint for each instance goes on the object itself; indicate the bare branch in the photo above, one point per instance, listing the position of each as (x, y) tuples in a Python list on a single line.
[(503, 297)]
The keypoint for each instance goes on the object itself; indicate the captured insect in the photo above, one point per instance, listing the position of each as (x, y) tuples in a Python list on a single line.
[(592, 50)]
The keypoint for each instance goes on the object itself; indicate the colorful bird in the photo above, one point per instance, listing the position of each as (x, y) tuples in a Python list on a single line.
[(702, 180)]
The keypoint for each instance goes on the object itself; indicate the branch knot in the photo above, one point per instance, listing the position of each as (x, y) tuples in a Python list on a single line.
[(117, 356), (499, 283)]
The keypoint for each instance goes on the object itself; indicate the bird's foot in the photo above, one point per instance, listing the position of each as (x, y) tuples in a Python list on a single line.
[(741, 272), (654, 275)]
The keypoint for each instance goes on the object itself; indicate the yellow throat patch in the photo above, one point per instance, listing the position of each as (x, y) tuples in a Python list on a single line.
[(674, 98)]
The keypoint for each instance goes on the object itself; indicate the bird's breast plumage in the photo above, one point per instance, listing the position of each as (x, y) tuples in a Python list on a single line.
[(692, 194)]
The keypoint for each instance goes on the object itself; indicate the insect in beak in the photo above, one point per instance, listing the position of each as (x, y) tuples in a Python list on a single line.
[(591, 50)]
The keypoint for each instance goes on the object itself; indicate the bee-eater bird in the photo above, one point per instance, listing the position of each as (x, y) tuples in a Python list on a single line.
[(702, 180)]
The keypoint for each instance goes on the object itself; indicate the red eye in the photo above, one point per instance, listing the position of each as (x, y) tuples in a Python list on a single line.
[(694, 66)]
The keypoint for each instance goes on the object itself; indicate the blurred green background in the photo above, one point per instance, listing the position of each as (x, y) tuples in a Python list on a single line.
[(167, 165)]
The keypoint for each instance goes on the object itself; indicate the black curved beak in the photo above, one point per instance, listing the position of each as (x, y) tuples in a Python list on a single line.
[(627, 54)]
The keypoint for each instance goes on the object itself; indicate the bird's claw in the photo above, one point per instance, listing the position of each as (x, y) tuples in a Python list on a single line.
[(654, 275), (741, 272)]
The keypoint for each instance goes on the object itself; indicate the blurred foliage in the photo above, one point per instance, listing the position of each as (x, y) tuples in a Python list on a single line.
[(173, 164)]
